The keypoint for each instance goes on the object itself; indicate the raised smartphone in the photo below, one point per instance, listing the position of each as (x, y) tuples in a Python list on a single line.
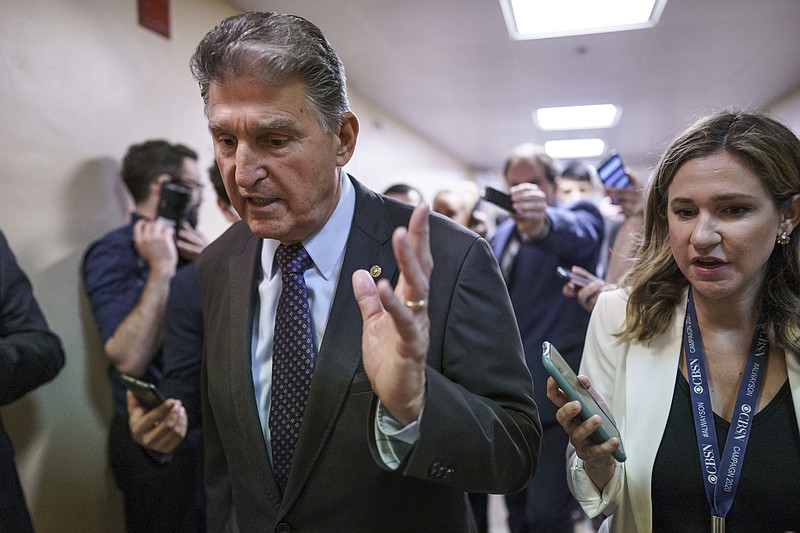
[(498, 198), (574, 389), (612, 173), (147, 393), (568, 275)]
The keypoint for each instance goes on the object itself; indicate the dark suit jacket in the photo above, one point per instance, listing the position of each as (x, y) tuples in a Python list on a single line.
[(542, 310), (479, 431), (183, 343), (30, 355)]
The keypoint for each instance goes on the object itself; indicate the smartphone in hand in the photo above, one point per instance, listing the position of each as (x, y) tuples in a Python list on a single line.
[(147, 393), (612, 173), (498, 198), (569, 275), (574, 389)]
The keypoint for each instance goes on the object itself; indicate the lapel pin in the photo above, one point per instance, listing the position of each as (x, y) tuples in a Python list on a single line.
[(375, 271)]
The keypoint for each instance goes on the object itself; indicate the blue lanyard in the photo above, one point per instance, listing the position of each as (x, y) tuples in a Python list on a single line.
[(721, 477)]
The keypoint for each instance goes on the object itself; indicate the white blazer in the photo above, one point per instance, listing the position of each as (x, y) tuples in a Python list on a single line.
[(637, 382)]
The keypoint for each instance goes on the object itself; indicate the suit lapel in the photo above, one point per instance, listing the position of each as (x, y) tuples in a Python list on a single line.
[(339, 357), (243, 277), (648, 402)]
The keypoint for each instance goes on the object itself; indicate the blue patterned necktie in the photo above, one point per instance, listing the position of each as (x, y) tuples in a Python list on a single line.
[(292, 359)]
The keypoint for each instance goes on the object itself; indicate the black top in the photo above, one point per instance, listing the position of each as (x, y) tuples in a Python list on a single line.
[(768, 497)]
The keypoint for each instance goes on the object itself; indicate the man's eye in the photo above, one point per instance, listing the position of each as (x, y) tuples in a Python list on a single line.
[(277, 142), (226, 141)]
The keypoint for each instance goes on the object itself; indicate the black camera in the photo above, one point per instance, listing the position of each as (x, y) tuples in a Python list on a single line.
[(175, 203)]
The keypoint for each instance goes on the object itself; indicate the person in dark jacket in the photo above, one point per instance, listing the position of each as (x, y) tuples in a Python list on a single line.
[(30, 356)]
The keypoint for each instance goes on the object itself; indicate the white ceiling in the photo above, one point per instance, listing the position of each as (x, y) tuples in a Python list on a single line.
[(448, 69)]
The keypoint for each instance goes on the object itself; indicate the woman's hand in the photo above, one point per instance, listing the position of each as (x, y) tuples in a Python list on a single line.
[(598, 462)]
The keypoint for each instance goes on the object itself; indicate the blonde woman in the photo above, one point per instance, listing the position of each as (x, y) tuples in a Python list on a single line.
[(696, 355)]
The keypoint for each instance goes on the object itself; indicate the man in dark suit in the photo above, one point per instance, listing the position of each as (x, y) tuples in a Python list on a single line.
[(540, 236), (418, 387), (30, 355)]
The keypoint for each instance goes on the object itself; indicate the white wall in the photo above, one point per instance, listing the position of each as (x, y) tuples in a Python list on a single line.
[(386, 154), (787, 110), (82, 81)]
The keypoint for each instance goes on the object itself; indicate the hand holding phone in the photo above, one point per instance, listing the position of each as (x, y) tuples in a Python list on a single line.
[(147, 393), (569, 275), (574, 389), (498, 198), (612, 173)]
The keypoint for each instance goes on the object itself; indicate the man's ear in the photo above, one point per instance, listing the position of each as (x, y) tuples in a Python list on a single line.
[(155, 186), (347, 134), (159, 181)]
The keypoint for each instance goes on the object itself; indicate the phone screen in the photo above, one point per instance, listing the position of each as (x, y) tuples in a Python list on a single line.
[(568, 381), (612, 173)]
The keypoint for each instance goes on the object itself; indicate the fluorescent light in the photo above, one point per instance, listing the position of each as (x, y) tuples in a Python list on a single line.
[(574, 148), (577, 117), (538, 19)]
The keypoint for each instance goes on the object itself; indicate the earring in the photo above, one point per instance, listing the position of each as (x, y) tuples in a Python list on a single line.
[(784, 239)]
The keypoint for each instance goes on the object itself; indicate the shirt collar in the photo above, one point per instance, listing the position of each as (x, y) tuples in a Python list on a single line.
[(327, 245)]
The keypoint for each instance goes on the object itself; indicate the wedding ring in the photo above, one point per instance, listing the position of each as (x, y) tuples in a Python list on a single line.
[(156, 423), (416, 305)]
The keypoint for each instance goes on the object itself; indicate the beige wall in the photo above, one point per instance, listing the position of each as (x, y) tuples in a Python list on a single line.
[(387, 154), (81, 80)]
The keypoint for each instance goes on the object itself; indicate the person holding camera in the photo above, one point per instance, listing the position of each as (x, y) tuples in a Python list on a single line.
[(540, 235), (127, 275)]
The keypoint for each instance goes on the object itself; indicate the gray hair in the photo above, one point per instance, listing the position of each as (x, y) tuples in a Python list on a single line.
[(275, 48)]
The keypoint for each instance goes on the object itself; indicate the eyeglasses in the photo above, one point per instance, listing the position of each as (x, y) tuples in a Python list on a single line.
[(193, 185)]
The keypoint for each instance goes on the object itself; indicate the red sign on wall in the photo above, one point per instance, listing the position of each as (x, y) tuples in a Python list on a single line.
[(154, 15)]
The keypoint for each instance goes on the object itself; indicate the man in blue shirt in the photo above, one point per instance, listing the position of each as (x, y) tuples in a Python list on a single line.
[(127, 276), (538, 237)]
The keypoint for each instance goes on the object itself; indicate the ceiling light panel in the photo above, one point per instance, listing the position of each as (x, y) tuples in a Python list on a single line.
[(539, 19), (574, 148), (577, 117)]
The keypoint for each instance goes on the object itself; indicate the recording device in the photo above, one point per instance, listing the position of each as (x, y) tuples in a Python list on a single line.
[(612, 173), (574, 389), (498, 198), (175, 203), (569, 275), (147, 393)]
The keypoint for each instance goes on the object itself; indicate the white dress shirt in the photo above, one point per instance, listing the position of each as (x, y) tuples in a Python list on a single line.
[(326, 249)]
